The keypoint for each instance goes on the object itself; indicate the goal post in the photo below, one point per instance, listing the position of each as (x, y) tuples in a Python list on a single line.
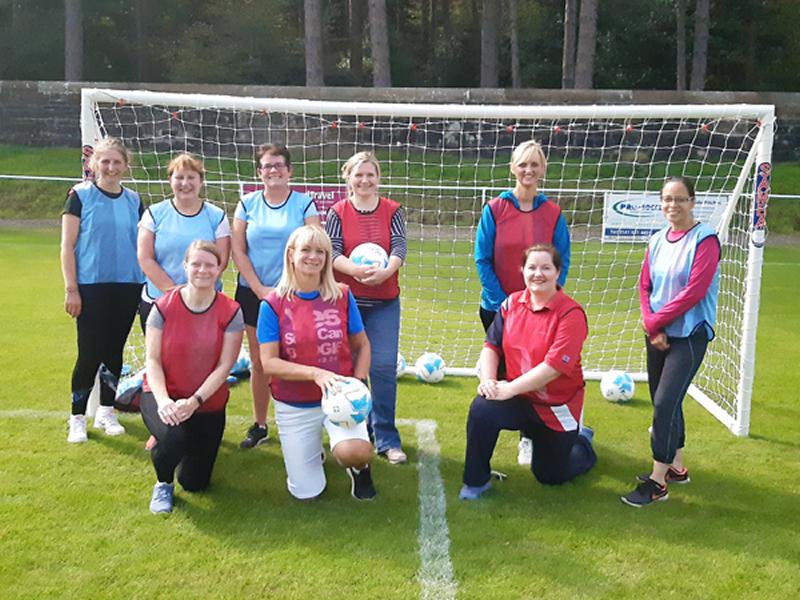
[(606, 165)]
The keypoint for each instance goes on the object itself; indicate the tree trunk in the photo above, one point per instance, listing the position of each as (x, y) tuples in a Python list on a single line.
[(680, 45), (489, 29), (570, 35), (513, 19), (447, 24), (73, 40), (356, 41), (312, 17), (587, 45), (141, 17), (700, 46), (379, 40)]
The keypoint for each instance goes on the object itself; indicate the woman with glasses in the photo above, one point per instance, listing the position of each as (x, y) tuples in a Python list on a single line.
[(678, 289), (262, 224)]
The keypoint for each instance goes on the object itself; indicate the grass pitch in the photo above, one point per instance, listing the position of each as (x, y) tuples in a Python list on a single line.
[(74, 521)]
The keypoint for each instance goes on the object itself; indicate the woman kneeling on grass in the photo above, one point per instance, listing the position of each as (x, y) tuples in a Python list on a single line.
[(193, 338), (539, 331), (311, 335)]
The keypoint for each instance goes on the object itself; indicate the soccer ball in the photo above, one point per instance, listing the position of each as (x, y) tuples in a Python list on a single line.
[(241, 368), (430, 368), (348, 404), (371, 255), (617, 386), (401, 365)]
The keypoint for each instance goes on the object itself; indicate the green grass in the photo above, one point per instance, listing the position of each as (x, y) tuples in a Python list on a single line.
[(74, 520), (44, 200)]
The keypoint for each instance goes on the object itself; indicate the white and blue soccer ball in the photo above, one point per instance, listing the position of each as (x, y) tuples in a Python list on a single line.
[(430, 367), (241, 368), (371, 255), (348, 403), (401, 365), (617, 386)]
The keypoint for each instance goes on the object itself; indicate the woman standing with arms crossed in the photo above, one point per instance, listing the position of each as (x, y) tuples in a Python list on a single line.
[(510, 223), (193, 338), (261, 227), (539, 332), (311, 335), (102, 279), (367, 217), (168, 227), (678, 296)]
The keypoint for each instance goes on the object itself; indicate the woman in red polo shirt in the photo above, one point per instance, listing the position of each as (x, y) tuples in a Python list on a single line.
[(193, 338), (539, 333)]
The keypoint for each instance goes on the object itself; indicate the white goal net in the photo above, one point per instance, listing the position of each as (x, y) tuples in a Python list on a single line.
[(606, 165)]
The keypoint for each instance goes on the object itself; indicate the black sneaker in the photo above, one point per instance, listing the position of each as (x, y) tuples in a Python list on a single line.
[(255, 435), (672, 476), (361, 484), (646, 493)]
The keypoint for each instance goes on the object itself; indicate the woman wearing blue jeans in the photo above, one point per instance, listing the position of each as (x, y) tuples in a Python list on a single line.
[(367, 217)]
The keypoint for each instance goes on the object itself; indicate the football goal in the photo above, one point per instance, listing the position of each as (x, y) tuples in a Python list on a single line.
[(606, 165)]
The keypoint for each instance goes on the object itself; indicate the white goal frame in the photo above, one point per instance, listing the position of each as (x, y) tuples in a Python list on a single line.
[(751, 184)]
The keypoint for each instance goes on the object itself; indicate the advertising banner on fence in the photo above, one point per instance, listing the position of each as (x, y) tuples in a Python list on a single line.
[(635, 216), (323, 195)]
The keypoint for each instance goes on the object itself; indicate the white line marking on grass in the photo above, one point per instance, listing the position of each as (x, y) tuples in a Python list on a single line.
[(436, 571)]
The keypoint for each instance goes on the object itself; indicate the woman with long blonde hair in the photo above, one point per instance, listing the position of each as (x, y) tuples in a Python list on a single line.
[(311, 336)]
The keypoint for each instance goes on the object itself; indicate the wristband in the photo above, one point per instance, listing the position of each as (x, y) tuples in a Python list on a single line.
[(199, 399)]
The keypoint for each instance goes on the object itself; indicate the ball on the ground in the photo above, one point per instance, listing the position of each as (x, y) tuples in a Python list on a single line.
[(401, 365), (371, 255), (348, 403), (241, 368), (430, 367), (617, 386)]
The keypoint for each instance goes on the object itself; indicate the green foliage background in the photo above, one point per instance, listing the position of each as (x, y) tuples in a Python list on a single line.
[(752, 44)]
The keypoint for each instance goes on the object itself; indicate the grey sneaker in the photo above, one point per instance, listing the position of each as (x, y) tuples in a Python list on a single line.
[(161, 500)]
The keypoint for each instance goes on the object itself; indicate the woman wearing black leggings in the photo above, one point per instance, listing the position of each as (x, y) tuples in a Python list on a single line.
[(193, 338), (678, 296), (102, 280)]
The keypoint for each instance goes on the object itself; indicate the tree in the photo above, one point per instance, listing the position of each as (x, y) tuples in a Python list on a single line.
[(73, 40), (700, 46), (312, 19), (513, 19), (489, 32), (568, 53), (356, 20), (587, 45), (680, 45), (379, 41)]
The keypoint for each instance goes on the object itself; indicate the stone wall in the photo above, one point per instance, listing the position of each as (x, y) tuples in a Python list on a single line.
[(47, 113)]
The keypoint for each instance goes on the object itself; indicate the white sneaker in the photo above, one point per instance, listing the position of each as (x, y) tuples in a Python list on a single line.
[(395, 456), (77, 429), (525, 454), (106, 418)]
